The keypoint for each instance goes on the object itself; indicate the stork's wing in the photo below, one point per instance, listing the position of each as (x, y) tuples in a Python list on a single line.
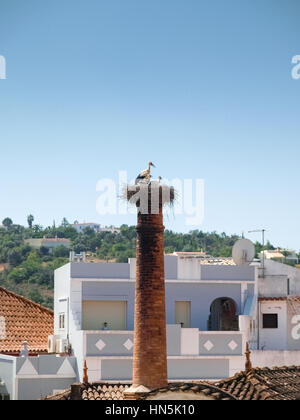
[(144, 173)]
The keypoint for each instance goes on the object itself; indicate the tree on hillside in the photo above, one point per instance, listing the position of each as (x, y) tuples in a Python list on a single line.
[(61, 252), (30, 220), (7, 222), (65, 222), (37, 231)]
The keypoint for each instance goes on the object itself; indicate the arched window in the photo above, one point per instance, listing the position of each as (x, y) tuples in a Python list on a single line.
[(223, 315)]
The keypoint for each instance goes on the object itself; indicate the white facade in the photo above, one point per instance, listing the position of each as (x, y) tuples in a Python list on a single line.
[(80, 227), (193, 353), (31, 378), (273, 338), (114, 230), (211, 347), (281, 255)]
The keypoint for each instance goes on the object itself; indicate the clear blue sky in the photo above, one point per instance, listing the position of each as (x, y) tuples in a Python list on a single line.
[(201, 88)]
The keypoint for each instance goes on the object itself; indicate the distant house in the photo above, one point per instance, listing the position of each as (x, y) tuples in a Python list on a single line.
[(280, 255), (111, 230), (49, 243), (272, 254), (80, 227)]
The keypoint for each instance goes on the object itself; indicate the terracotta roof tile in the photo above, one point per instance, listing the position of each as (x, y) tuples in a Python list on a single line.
[(258, 384), (293, 299), (101, 391), (24, 320), (264, 384), (206, 388)]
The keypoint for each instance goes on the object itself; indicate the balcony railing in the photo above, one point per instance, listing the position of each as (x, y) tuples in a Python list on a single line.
[(180, 342)]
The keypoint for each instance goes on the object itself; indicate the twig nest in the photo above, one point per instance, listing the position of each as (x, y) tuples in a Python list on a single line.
[(154, 193)]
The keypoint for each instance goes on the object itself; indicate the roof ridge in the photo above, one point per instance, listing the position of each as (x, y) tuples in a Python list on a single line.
[(263, 384), (190, 386), (238, 375), (31, 302)]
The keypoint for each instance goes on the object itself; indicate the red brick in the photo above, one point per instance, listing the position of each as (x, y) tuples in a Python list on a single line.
[(150, 352)]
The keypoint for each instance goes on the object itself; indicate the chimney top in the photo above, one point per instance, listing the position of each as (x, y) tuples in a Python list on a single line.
[(85, 373), (248, 364)]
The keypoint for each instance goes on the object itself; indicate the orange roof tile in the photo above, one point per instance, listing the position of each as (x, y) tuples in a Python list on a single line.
[(23, 320)]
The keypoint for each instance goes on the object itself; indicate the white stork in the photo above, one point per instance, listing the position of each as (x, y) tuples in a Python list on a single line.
[(145, 175)]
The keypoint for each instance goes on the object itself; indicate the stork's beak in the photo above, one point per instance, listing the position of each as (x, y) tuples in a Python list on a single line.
[(153, 165)]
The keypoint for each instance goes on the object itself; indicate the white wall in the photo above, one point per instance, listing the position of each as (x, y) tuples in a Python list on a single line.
[(273, 339), (80, 228), (189, 269), (271, 359), (61, 298), (273, 286), (276, 268), (201, 295)]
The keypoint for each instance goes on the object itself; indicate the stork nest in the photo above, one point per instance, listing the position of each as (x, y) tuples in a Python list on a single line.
[(151, 192)]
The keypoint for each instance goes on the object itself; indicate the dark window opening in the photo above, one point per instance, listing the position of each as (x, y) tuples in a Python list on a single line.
[(270, 321)]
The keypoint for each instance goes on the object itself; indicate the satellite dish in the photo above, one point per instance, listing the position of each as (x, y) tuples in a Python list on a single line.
[(243, 252)]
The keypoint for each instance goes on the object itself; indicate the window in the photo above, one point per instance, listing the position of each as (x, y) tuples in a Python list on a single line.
[(183, 314), (62, 318), (270, 321), (108, 314)]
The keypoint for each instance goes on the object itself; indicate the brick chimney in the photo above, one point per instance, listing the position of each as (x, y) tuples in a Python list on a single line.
[(150, 348)]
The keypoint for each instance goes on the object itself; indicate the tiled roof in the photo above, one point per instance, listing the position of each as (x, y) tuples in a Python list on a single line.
[(60, 396), (23, 320), (264, 384), (217, 261), (205, 388), (294, 299), (97, 392), (100, 391), (93, 392), (262, 299), (204, 258), (258, 384)]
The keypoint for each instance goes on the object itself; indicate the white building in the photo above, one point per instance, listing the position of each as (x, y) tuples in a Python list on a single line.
[(281, 255), (80, 227), (49, 243), (212, 312), (112, 229)]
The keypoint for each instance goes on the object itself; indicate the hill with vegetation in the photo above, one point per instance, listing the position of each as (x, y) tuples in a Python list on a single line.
[(30, 272)]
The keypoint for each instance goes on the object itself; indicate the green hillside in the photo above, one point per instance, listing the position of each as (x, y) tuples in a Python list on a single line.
[(29, 271)]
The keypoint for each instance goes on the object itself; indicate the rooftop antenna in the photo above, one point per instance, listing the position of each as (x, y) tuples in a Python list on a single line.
[(262, 231)]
